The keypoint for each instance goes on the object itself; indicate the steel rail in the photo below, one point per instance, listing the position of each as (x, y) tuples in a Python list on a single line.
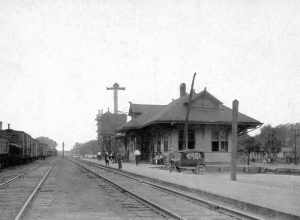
[(147, 202), (23, 173), (209, 203), (10, 180), (33, 194)]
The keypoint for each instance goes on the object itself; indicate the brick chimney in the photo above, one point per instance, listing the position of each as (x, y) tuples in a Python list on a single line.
[(182, 89), (8, 126)]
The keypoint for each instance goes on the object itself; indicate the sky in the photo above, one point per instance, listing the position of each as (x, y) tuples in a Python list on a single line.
[(58, 56)]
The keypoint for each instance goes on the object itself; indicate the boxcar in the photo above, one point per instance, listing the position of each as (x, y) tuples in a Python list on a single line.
[(19, 145), (3, 152), (42, 150), (34, 149)]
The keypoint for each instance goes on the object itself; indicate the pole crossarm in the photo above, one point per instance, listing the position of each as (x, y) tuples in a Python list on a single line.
[(113, 88)]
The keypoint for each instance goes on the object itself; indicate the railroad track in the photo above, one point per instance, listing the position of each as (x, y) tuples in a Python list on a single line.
[(18, 172), (137, 207), (126, 205), (10, 180), (172, 203), (17, 195)]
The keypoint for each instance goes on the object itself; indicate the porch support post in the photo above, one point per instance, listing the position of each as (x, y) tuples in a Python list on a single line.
[(235, 105)]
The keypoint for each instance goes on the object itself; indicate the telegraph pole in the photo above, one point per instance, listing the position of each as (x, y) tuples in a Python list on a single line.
[(63, 149), (295, 156), (188, 109), (235, 106)]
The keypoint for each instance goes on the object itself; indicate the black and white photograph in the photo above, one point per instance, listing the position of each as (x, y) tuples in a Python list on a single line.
[(149, 109)]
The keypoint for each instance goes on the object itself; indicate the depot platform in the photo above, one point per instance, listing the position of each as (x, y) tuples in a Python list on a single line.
[(280, 193)]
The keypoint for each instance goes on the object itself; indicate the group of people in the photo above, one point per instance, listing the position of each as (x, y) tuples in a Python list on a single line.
[(158, 158), (117, 158), (114, 158)]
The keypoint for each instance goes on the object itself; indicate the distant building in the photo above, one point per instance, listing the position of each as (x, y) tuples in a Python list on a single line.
[(160, 128), (107, 123)]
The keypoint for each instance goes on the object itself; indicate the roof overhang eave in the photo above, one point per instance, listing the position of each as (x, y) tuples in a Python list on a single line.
[(248, 124), (127, 129), (199, 122)]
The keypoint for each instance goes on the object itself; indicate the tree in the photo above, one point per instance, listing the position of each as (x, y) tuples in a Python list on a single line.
[(248, 144), (270, 141), (90, 147), (293, 139), (48, 141)]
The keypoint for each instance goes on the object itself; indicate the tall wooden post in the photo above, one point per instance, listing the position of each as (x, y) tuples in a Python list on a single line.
[(63, 149), (295, 155), (188, 109), (235, 106)]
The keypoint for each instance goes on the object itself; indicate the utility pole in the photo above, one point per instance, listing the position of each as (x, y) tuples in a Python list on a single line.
[(235, 110), (63, 149), (116, 87), (188, 109), (295, 136)]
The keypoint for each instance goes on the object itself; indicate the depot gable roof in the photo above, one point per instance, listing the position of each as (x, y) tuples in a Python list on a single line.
[(205, 109)]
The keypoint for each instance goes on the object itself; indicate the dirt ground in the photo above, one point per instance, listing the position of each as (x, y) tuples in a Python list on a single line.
[(70, 193)]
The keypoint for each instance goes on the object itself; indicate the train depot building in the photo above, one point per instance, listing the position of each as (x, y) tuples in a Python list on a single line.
[(160, 128)]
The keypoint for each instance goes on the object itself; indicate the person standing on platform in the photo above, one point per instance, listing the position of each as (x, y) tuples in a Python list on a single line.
[(99, 156), (172, 161), (137, 154), (119, 160), (106, 158)]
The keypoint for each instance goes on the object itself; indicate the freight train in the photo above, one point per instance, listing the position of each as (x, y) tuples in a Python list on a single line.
[(18, 147)]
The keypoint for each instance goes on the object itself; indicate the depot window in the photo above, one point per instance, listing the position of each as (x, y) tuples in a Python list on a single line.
[(166, 143), (159, 143), (219, 140), (191, 139)]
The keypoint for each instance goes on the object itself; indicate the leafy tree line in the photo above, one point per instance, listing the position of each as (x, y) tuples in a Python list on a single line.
[(90, 147), (270, 141), (48, 141)]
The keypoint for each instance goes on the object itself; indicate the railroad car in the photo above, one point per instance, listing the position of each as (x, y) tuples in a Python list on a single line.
[(3, 152), (51, 152), (34, 149), (42, 150), (21, 146), (17, 147)]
